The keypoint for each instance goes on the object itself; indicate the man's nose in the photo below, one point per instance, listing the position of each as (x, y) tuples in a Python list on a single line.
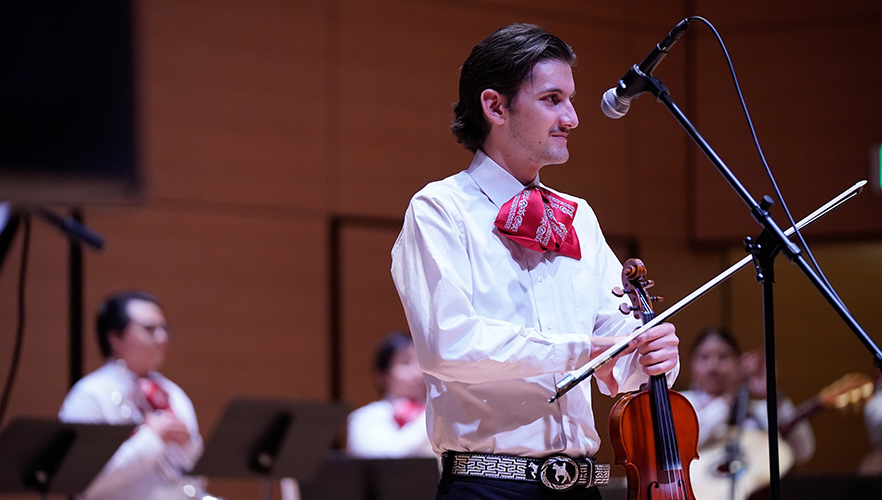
[(570, 119)]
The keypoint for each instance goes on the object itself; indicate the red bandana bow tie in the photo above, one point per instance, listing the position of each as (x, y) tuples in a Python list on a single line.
[(154, 394), (540, 220)]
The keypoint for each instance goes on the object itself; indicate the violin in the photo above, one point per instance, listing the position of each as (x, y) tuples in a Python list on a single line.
[(644, 426)]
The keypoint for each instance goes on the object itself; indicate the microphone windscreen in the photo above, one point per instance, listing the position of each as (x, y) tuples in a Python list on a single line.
[(612, 106)]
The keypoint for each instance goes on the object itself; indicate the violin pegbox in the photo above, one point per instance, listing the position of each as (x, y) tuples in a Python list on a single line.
[(634, 285)]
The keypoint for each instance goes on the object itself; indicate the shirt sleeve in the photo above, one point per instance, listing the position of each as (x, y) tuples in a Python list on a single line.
[(801, 438), (135, 457), (627, 371), (184, 457)]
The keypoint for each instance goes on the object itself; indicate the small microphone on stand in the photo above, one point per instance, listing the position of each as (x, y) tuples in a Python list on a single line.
[(617, 100), (732, 462)]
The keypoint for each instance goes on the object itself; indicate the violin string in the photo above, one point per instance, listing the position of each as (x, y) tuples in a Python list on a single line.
[(674, 476), (661, 424), (669, 443)]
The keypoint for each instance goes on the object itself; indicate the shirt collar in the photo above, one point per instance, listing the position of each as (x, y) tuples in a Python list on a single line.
[(497, 183), (121, 366)]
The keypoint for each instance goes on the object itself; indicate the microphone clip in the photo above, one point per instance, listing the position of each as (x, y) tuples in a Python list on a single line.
[(635, 83)]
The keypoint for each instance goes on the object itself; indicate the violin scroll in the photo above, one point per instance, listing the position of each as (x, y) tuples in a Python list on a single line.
[(635, 284)]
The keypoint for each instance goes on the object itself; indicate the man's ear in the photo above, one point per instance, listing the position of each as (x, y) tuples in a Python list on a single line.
[(113, 339), (494, 105)]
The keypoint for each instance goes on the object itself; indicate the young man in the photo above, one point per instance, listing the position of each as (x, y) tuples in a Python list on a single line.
[(507, 289), (151, 464)]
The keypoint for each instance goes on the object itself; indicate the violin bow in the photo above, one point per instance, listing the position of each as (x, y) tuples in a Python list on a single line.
[(586, 371)]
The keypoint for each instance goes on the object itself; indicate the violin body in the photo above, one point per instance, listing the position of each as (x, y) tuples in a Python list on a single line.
[(644, 426), (634, 442)]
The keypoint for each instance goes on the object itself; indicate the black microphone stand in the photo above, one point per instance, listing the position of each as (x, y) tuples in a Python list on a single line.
[(77, 234), (764, 250)]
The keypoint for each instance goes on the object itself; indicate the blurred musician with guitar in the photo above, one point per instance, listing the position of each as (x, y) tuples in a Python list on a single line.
[(728, 392)]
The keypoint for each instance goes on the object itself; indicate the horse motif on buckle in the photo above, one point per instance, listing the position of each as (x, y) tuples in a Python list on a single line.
[(559, 472)]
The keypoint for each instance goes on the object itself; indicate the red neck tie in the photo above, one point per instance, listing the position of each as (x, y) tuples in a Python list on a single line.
[(540, 220), (404, 410), (154, 394)]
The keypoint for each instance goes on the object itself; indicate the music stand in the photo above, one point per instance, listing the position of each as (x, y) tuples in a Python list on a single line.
[(48, 456), (269, 438), (342, 476)]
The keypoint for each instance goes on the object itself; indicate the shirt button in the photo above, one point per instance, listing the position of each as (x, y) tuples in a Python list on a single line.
[(540, 278)]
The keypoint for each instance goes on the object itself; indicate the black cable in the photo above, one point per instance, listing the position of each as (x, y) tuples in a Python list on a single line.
[(762, 156), (19, 331)]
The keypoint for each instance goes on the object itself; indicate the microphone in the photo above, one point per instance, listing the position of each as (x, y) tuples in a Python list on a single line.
[(617, 100)]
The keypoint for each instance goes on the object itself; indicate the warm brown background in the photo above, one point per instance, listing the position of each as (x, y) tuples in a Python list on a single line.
[(273, 129)]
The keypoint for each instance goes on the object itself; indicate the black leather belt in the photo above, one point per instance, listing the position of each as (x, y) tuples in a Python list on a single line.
[(557, 472)]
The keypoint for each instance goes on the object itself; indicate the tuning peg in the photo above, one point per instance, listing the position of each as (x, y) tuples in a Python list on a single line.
[(626, 309), (618, 292)]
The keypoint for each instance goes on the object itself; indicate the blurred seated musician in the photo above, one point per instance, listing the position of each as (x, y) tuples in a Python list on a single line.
[(728, 392), (152, 463), (395, 426)]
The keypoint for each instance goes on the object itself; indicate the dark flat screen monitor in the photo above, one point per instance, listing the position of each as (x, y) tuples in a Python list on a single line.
[(67, 102)]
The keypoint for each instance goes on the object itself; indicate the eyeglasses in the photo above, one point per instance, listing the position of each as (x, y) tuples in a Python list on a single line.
[(151, 329)]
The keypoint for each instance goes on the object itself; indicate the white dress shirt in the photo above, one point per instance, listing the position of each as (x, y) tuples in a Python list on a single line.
[(143, 467), (497, 325), (873, 419), (372, 432)]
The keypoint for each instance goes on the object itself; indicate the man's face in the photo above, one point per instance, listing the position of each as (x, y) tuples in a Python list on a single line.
[(541, 116), (143, 342)]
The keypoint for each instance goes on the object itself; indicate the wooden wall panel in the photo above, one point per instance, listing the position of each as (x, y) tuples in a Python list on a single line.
[(801, 71), (399, 75), (245, 293), (369, 304), (236, 99)]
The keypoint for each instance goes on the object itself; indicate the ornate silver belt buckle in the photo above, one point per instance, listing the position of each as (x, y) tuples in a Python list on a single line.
[(559, 472)]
